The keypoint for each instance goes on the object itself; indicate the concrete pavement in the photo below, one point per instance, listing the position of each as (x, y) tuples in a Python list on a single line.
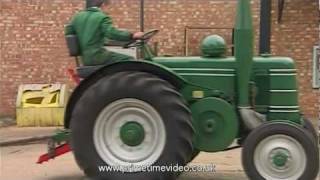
[(20, 148), (23, 146), (6, 121), (20, 162), (12, 135)]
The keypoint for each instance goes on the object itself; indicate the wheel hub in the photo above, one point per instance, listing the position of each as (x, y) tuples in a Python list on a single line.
[(210, 126), (132, 134), (280, 158)]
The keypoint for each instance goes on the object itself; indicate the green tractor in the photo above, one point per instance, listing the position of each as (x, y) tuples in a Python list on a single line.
[(163, 111)]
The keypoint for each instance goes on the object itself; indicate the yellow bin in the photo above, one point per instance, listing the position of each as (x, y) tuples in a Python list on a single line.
[(41, 104)]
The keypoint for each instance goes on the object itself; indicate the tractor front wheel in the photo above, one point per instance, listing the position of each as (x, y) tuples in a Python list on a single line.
[(129, 122), (309, 127), (280, 151)]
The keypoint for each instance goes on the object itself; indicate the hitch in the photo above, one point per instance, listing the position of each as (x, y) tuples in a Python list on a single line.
[(57, 146)]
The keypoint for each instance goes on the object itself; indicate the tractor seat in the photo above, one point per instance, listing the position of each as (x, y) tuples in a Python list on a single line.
[(86, 71), (74, 51)]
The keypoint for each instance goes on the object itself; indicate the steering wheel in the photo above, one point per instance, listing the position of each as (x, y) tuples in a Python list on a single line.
[(144, 39)]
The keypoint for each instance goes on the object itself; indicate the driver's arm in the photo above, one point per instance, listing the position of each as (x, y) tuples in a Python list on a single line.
[(113, 33)]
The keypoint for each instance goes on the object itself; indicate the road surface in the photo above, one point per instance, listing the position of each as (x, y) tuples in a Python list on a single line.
[(18, 162)]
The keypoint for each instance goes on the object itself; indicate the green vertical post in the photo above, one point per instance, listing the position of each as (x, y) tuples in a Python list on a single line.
[(243, 50)]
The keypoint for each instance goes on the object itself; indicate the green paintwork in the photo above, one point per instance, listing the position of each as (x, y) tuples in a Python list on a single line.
[(217, 77), (61, 136), (215, 86), (132, 134), (243, 50), (213, 46), (147, 53), (216, 124), (280, 159)]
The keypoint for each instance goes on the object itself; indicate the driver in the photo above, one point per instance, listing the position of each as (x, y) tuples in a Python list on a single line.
[(92, 26)]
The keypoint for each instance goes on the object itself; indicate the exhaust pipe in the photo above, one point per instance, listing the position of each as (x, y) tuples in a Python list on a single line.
[(251, 118), (244, 58)]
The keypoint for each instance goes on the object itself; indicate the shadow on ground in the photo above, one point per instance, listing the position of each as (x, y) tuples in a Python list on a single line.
[(186, 176), (68, 178), (213, 176)]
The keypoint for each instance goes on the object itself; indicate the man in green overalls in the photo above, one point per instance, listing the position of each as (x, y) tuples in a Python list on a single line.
[(92, 26)]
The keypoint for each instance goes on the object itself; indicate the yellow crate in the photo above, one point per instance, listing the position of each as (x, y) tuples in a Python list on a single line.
[(41, 104)]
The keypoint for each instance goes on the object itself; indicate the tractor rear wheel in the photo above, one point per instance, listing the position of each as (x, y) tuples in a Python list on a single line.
[(280, 151), (131, 121), (194, 154)]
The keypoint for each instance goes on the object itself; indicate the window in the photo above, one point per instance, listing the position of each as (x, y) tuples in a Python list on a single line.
[(316, 67)]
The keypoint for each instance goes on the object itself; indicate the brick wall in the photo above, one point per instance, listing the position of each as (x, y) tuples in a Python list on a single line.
[(33, 48), (295, 37), (32, 45)]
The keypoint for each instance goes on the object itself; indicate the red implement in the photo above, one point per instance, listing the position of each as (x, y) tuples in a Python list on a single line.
[(73, 75), (65, 148)]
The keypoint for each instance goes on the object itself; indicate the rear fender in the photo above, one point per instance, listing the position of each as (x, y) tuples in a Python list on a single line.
[(143, 66)]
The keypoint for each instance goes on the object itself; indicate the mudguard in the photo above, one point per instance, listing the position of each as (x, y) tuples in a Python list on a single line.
[(143, 66)]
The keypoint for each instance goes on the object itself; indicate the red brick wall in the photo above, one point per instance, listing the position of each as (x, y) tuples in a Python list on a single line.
[(32, 45), (33, 48), (295, 37)]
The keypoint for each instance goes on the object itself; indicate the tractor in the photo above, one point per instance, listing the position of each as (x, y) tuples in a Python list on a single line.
[(163, 111)]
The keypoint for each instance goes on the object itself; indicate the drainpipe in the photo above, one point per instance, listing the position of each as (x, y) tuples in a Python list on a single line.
[(265, 26), (244, 58), (142, 15), (140, 53)]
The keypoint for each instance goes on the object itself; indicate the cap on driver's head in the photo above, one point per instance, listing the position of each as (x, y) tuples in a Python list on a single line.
[(95, 3)]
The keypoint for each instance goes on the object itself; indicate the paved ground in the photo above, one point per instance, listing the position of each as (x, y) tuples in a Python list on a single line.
[(13, 133), (6, 121), (19, 162)]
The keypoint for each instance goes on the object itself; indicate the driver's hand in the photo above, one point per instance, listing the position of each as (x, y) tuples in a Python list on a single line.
[(138, 35)]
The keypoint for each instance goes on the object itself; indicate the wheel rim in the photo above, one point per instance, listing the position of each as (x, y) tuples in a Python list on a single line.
[(129, 132), (280, 157)]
